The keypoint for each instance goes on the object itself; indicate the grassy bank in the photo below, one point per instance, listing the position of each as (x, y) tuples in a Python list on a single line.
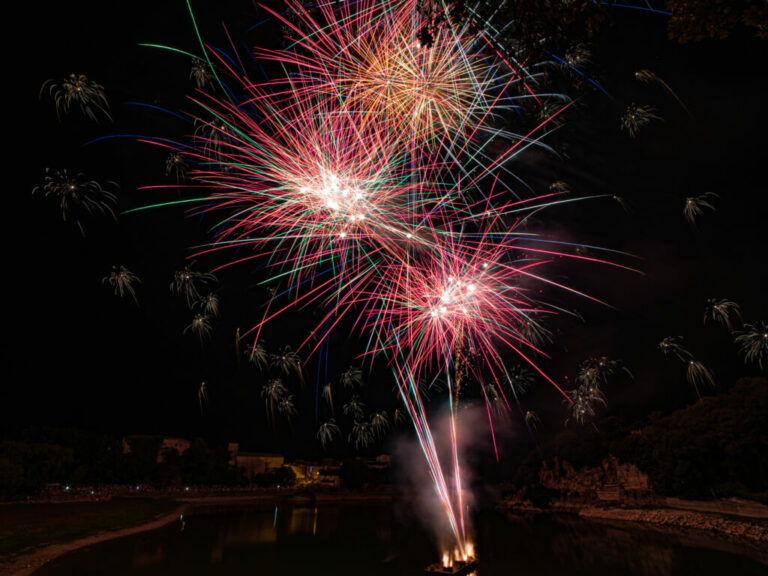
[(26, 527)]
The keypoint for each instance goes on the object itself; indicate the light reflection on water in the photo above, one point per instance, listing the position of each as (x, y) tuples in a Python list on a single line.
[(372, 540)]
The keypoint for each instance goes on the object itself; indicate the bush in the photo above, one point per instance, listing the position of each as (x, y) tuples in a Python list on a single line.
[(716, 448)]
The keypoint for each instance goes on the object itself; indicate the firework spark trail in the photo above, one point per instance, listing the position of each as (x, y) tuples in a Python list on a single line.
[(455, 453), (409, 393)]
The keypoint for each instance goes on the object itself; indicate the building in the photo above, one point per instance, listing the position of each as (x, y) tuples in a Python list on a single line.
[(170, 444), (165, 444), (253, 463)]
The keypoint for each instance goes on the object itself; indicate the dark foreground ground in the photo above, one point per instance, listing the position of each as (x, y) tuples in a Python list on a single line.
[(27, 527)]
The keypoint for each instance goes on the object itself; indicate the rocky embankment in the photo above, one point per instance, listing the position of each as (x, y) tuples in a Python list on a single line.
[(616, 491), (684, 519)]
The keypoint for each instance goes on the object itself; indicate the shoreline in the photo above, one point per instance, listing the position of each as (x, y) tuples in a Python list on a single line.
[(27, 564), (727, 532), (746, 534), (712, 523)]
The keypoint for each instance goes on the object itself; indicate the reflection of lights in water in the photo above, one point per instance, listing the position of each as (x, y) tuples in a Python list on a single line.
[(302, 520), (274, 521)]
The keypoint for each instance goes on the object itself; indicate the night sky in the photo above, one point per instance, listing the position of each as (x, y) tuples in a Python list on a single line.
[(79, 356)]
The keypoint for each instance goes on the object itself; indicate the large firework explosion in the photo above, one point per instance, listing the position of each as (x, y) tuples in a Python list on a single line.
[(373, 176)]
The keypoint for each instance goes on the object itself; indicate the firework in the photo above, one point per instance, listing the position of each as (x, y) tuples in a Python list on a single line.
[(200, 327), (258, 355), (695, 205), (274, 393), (699, 376), (312, 188), (287, 362), (753, 344), (327, 432), (380, 423), (582, 406), (77, 195), (76, 90), (636, 116), (286, 407), (176, 166), (352, 377), (376, 58), (649, 77), (328, 395), (209, 304), (202, 396), (122, 280), (188, 282), (354, 408), (200, 73), (362, 435), (723, 311), (578, 56), (532, 420), (672, 346)]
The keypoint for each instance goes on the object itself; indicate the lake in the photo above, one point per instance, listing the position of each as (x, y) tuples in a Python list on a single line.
[(372, 540)]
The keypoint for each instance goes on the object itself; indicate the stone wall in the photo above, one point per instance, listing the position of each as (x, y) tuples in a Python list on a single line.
[(611, 481)]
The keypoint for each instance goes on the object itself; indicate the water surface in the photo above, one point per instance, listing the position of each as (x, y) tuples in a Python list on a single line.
[(373, 540)]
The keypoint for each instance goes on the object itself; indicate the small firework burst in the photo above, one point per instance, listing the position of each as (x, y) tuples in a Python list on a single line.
[(286, 361), (354, 408), (699, 376), (202, 396), (200, 327), (695, 205), (559, 187), (286, 407), (352, 377), (578, 56), (532, 420), (637, 116), (380, 423), (672, 346), (362, 435), (122, 280), (258, 355), (327, 432), (188, 282), (78, 196), (581, 408), (176, 166), (209, 304), (76, 90), (201, 74), (753, 344), (724, 311)]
